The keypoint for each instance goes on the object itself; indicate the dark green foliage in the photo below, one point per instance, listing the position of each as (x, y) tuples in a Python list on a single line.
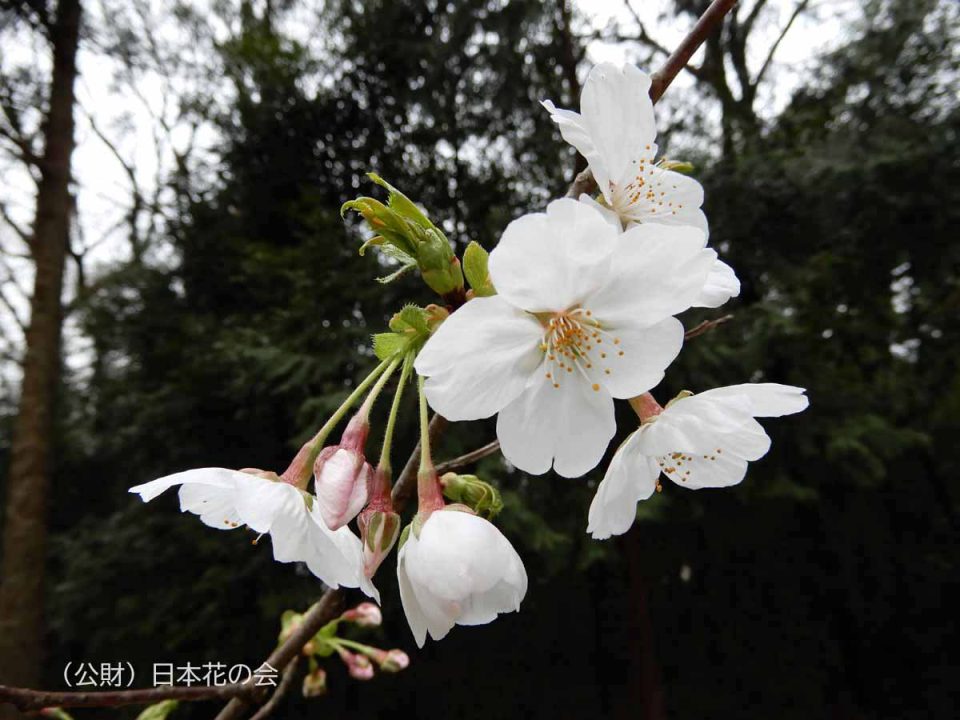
[(814, 588)]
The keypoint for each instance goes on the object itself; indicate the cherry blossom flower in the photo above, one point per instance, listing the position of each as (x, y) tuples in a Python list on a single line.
[(698, 441), (583, 315), (460, 570), (615, 131), (227, 499)]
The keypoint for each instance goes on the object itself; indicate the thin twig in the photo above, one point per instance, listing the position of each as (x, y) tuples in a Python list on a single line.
[(286, 683), (708, 22), (471, 457), (28, 700), (706, 326)]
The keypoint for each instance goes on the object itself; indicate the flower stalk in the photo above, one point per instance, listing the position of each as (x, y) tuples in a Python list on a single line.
[(429, 492), (301, 467)]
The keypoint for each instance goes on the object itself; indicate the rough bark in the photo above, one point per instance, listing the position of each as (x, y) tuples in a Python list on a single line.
[(28, 483)]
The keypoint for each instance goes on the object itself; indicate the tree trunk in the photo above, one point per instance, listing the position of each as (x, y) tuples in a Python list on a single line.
[(28, 483)]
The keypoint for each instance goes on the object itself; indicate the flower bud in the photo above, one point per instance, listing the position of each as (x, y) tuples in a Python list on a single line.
[(365, 615), (359, 666), (439, 265), (379, 530), (394, 661), (341, 475), (481, 497), (315, 683)]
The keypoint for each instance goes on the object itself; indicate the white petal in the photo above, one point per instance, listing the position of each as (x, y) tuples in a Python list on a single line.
[(636, 357), (610, 215), (209, 493), (480, 359), (630, 478), (548, 262), (656, 271), (766, 399), (695, 425), (336, 556), (411, 606), (463, 570), (618, 114), (217, 477), (706, 471), (721, 285), (666, 197), (568, 427)]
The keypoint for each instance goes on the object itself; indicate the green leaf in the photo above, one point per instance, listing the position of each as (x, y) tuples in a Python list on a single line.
[(475, 260), (401, 203), (159, 711)]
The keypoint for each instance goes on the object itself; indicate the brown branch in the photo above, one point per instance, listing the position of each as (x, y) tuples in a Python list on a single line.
[(30, 700), (286, 683), (471, 457), (706, 326), (707, 23), (679, 58)]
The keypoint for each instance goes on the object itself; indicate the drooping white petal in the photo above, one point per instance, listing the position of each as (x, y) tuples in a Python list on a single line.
[(721, 285), (206, 492), (568, 426), (766, 399), (630, 478), (659, 271), (548, 262), (460, 570), (408, 598), (479, 359), (618, 114)]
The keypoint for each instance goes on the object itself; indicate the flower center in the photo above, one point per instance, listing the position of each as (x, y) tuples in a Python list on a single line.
[(575, 341), (648, 194)]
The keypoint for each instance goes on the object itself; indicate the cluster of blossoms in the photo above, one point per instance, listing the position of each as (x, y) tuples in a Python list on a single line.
[(574, 308)]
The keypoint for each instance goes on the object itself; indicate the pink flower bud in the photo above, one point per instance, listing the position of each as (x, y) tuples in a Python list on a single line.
[(342, 474), (365, 615), (359, 666), (379, 530), (315, 683), (394, 661)]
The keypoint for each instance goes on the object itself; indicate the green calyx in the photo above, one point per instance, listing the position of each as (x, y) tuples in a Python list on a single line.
[(405, 233), (475, 260), (680, 166), (409, 330), (469, 490)]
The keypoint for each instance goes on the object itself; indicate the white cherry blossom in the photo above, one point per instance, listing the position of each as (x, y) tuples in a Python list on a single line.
[(698, 441), (583, 315), (227, 499), (615, 131), (461, 570)]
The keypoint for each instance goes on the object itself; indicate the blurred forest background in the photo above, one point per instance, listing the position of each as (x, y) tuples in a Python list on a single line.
[(235, 311)]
